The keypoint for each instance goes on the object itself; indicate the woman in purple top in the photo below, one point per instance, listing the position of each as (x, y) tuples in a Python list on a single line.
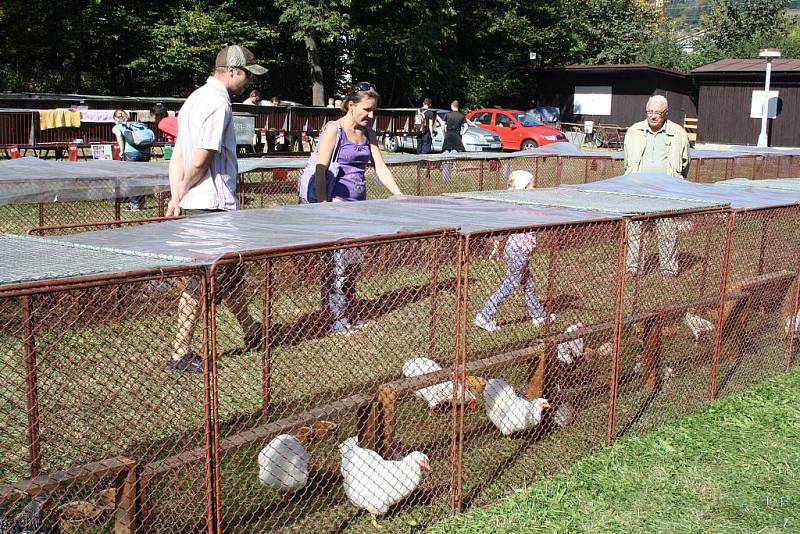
[(354, 144)]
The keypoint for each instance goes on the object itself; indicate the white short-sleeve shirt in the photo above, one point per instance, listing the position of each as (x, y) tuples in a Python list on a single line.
[(205, 121)]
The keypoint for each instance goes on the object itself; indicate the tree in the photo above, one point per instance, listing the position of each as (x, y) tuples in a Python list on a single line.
[(740, 28), (617, 31), (313, 24)]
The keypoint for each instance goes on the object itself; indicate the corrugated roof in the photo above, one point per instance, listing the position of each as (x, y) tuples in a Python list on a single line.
[(749, 65)]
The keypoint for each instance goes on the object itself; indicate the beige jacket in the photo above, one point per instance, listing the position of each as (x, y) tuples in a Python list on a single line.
[(676, 141)]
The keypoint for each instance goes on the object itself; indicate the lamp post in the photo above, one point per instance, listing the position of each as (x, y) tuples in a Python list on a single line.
[(769, 54)]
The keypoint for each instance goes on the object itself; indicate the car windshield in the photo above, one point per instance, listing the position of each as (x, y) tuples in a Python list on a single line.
[(526, 120)]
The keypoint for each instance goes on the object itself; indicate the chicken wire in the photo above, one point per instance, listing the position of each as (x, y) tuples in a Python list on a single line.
[(92, 410), (180, 458), (322, 382), (70, 193), (538, 313), (674, 271)]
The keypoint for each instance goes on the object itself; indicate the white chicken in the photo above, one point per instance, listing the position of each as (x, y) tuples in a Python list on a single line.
[(283, 464), (438, 393), (570, 352), (788, 326), (508, 411), (697, 325), (375, 484)]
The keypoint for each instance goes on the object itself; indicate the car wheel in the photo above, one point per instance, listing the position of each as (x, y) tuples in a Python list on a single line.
[(391, 144), (528, 144)]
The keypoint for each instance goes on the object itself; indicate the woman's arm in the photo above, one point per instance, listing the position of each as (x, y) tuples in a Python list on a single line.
[(327, 142), (384, 174)]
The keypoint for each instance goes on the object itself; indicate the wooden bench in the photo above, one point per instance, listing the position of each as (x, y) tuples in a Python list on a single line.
[(690, 125)]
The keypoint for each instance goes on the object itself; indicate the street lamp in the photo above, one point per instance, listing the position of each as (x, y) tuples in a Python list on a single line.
[(769, 54)]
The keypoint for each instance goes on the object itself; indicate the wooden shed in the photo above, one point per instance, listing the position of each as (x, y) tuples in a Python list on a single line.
[(613, 94), (726, 98)]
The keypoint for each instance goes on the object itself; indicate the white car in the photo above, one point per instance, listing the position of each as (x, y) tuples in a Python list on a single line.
[(475, 139)]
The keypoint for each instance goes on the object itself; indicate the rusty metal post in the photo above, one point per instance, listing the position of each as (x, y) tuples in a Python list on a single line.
[(41, 213), (586, 170), (32, 387), (266, 343), (619, 310), (208, 325), (726, 261), (637, 280), (762, 251), (418, 184)]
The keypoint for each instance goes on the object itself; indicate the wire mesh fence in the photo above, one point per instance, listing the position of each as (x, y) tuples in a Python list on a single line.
[(91, 410), (539, 309), (265, 187)]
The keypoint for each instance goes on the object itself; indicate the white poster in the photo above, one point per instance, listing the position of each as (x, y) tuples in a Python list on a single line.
[(101, 151), (592, 100), (758, 100)]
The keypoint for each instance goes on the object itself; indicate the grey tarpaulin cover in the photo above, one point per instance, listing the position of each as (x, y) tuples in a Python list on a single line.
[(775, 184), (666, 186), (28, 258), (208, 237), (27, 180), (600, 201)]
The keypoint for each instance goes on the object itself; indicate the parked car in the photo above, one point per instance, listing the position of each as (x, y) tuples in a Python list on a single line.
[(475, 139), (517, 130)]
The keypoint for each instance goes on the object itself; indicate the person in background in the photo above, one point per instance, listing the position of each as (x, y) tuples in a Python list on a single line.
[(331, 103), (517, 253), (202, 178), (456, 126), (129, 152), (253, 99), (351, 144), (427, 127), (164, 123), (274, 101), (338, 104), (656, 146)]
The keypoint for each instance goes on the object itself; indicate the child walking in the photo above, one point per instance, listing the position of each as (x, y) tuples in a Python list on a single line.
[(516, 253)]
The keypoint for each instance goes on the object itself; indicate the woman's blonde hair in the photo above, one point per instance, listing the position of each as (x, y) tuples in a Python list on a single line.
[(121, 114)]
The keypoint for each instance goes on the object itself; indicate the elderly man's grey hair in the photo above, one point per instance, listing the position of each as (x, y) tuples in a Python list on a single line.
[(659, 98)]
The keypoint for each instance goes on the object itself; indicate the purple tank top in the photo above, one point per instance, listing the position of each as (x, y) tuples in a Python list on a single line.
[(353, 160)]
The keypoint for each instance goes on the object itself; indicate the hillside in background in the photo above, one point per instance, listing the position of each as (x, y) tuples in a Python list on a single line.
[(686, 13)]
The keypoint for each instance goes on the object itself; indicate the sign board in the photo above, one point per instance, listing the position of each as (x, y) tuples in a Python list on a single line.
[(245, 125), (757, 102), (592, 100), (101, 152)]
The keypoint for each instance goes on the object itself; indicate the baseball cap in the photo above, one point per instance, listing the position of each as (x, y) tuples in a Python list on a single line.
[(238, 56)]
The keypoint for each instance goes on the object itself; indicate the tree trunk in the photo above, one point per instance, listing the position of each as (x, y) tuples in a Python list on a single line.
[(312, 51)]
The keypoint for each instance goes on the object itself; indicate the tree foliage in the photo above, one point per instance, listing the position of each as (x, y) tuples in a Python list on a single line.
[(477, 51)]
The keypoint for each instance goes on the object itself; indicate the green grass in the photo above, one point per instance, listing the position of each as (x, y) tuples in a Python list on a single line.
[(734, 467)]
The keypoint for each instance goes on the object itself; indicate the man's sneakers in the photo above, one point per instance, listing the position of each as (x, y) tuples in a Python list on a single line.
[(490, 325), (189, 363)]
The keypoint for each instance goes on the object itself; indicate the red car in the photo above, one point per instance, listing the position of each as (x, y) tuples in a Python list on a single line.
[(517, 130)]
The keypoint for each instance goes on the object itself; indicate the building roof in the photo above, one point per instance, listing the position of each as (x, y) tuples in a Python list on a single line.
[(621, 66), (749, 66)]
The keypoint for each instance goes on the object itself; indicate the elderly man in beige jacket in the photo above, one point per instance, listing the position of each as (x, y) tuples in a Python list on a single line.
[(658, 146)]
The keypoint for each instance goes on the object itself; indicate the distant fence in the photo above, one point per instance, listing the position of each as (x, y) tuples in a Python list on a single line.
[(274, 182)]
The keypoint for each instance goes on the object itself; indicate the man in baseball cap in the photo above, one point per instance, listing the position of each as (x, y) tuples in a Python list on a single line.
[(239, 56), (202, 179)]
